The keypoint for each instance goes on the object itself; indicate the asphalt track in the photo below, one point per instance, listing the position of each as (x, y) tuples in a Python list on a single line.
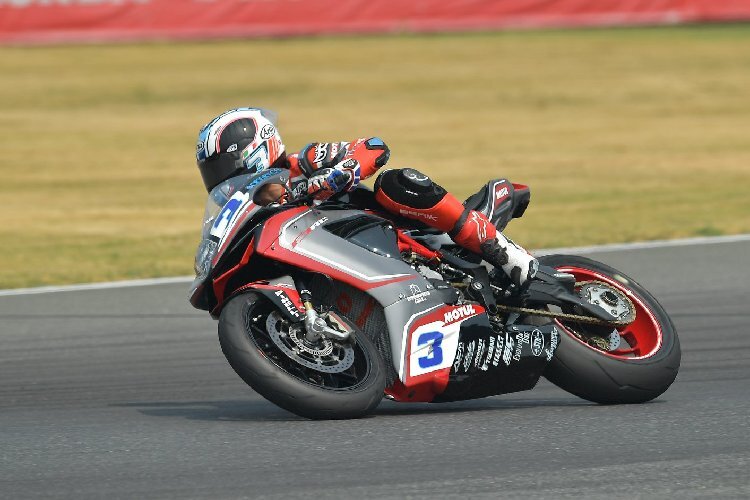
[(124, 393)]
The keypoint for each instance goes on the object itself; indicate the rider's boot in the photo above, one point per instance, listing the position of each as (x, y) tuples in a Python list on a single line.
[(479, 235), (412, 194)]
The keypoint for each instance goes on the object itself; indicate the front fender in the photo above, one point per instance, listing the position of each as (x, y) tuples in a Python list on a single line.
[(280, 291)]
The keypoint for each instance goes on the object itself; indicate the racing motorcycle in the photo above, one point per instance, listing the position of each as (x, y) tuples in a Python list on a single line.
[(325, 309)]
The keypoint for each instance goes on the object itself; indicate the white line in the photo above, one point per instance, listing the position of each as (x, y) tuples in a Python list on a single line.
[(614, 247), (97, 286)]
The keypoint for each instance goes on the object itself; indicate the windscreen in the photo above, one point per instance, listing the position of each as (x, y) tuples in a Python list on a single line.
[(229, 204)]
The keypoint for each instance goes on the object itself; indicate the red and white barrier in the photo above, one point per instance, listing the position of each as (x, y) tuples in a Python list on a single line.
[(53, 21)]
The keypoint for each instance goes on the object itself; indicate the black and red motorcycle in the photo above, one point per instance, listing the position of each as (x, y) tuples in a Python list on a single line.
[(326, 309)]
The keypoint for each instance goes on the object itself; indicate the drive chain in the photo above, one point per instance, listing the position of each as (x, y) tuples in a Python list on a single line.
[(569, 317), (561, 315)]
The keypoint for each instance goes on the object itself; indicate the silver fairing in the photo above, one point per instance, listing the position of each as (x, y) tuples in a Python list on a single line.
[(402, 292)]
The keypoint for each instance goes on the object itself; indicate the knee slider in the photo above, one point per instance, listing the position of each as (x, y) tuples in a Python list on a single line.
[(410, 187)]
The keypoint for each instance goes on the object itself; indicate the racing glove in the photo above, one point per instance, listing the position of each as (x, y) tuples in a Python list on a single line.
[(326, 182)]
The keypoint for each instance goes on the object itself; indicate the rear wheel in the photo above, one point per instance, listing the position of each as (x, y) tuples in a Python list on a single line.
[(630, 364), (325, 379)]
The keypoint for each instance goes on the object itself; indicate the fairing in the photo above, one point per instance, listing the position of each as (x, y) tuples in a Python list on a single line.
[(434, 342)]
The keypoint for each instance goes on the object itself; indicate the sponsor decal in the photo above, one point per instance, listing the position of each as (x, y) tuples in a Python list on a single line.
[(490, 352), (469, 355), (287, 303), (537, 343), (480, 352), (267, 131), (417, 295), (261, 178), (459, 355), (481, 225), (421, 215), (321, 151), (199, 147), (318, 222), (521, 339), (232, 148), (498, 351), (309, 230), (508, 349), (299, 189), (554, 339), (459, 313), (501, 192)]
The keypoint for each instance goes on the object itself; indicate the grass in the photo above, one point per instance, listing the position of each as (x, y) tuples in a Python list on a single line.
[(623, 135)]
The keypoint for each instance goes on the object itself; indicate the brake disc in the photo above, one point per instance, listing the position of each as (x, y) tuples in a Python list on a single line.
[(323, 356)]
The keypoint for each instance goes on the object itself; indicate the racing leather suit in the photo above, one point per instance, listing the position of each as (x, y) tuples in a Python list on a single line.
[(408, 193)]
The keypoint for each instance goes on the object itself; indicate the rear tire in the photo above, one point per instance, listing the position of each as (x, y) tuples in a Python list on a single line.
[(267, 370), (611, 378)]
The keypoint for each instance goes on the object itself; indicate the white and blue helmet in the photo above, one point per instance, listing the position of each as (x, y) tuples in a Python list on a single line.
[(239, 141)]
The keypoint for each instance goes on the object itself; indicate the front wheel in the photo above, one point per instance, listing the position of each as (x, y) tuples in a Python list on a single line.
[(646, 358), (326, 379)]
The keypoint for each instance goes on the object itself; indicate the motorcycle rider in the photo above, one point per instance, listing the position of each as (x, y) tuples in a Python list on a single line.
[(245, 140)]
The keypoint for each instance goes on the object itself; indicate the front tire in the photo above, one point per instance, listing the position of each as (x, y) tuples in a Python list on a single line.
[(304, 391), (639, 372)]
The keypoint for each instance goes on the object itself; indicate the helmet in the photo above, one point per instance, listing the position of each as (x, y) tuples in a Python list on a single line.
[(239, 141)]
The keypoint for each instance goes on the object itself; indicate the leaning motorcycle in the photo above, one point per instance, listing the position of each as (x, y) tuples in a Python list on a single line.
[(326, 309)]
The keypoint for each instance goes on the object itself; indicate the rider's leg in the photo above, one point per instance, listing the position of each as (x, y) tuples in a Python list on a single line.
[(412, 194)]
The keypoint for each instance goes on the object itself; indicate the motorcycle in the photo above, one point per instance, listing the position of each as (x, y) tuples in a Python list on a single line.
[(326, 309)]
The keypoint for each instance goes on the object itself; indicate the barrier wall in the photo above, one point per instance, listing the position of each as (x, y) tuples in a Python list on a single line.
[(53, 21)]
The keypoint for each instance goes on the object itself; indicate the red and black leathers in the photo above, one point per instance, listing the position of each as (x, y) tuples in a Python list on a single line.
[(409, 193), (359, 159)]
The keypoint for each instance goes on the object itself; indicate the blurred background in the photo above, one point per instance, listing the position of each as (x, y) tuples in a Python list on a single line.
[(629, 120)]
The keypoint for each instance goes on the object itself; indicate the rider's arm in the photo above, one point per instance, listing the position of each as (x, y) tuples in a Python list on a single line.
[(371, 154), (359, 158)]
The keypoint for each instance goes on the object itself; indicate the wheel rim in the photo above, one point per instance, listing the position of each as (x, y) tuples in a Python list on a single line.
[(256, 320), (642, 338), (322, 355)]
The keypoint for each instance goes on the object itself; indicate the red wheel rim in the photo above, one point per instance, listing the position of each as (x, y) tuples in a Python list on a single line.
[(643, 337)]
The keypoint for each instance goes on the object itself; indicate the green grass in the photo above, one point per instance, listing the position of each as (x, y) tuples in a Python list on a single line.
[(623, 135)]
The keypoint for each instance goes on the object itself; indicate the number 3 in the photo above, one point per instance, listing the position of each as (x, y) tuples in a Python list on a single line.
[(435, 354)]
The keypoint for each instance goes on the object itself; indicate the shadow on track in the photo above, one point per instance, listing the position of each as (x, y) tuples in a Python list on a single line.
[(476, 405), (230, 410), (264, 411)]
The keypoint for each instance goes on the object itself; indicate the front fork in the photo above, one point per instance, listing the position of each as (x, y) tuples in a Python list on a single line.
[(316, 327)]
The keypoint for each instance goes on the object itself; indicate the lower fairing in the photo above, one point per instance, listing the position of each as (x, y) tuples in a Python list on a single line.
[(488, 363)]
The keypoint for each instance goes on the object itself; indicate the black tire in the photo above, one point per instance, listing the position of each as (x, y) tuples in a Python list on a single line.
[(592, 375), (269, 379)]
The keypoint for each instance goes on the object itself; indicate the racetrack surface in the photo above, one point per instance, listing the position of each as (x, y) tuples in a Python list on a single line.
[(124, 393)]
